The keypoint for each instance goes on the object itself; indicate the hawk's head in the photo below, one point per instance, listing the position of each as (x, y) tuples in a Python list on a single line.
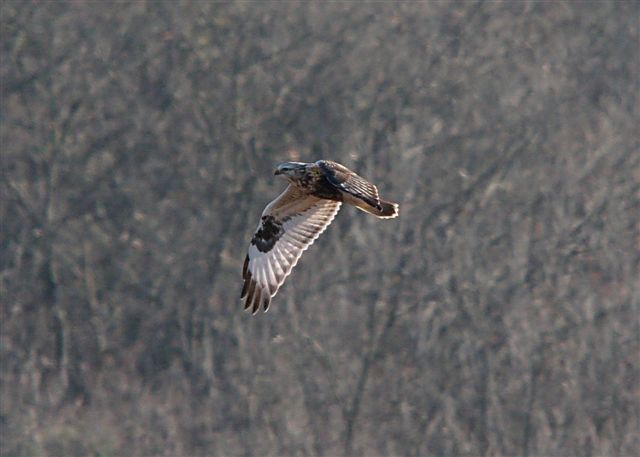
[(293, 171)]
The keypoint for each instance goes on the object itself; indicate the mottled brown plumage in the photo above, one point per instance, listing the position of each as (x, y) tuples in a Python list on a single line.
[(293, 221)]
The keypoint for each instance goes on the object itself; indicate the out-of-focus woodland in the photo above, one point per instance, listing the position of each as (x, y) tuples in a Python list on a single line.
[(498, 315)]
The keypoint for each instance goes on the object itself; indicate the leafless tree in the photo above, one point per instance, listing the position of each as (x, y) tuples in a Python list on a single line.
[(498, 315)]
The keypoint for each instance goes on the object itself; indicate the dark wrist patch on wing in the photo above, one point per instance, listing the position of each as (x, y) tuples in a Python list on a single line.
[(269, 232)]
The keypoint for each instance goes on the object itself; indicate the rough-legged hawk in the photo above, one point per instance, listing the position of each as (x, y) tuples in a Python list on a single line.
[(292, 222)]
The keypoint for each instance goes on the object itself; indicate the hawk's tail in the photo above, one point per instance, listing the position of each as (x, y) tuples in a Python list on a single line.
[(386, 210), (389, 210)]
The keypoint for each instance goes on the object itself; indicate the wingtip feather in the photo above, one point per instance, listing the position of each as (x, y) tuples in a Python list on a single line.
[(256, 302), (245, 267), (250, 293)]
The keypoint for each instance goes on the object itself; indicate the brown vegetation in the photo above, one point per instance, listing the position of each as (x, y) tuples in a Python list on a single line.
[(497, 316)]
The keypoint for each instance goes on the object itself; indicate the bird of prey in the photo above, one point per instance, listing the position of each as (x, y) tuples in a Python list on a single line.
[(293, 221)]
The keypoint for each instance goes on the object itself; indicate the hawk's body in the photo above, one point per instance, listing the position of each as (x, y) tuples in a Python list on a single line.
[(293, 221)]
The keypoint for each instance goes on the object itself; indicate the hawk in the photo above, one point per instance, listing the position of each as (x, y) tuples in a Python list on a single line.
[(293, 221)]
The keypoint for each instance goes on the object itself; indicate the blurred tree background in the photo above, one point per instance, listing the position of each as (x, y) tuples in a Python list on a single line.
[(497, 316)]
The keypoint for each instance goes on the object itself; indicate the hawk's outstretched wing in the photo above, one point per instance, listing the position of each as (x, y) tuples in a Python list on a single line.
[(288, 226), (347, 181)]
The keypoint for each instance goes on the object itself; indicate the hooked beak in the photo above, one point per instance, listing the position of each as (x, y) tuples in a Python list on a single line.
[(277, 172)]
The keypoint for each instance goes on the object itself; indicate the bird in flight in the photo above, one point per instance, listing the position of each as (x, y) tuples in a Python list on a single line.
[(293, 221)]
